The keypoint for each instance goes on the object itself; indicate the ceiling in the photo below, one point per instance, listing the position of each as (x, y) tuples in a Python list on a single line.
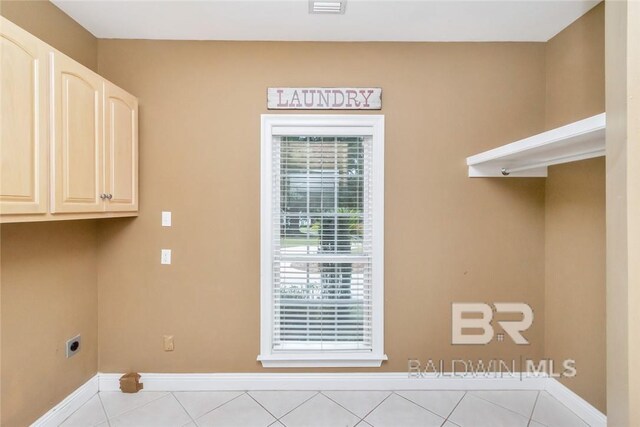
[(364, 20)]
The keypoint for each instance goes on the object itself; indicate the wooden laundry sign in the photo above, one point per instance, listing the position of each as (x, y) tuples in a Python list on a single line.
[(319, 98)]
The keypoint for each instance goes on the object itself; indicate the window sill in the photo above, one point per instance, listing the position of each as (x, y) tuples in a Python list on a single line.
[(322, 360)]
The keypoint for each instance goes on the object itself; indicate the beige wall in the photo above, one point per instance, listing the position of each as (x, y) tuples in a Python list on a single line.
[(575, 275), (44, 20), (448, 238), (48, 296), (575, 70), (575, 213), (47, 272)]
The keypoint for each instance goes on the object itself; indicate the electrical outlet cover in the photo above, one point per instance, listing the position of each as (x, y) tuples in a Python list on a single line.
[(73, 346), (168, 343)]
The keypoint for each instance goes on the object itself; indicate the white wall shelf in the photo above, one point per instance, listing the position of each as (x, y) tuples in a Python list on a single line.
[(530, 157)]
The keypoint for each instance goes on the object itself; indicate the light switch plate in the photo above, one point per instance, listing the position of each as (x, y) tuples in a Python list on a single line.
[(165, 256), (166, 219)]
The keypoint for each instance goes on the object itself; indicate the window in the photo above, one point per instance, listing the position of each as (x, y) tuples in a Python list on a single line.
[(322, 241)]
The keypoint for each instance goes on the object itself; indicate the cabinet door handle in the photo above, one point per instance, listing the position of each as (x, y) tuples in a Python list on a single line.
[(109, 196), (103, 196)]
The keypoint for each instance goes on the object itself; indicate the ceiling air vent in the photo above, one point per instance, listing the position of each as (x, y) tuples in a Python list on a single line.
[(323, 7)]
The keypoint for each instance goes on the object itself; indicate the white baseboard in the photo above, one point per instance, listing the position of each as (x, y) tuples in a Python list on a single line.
[(323, 381), (571, 400), (320, 381), (56, 415)]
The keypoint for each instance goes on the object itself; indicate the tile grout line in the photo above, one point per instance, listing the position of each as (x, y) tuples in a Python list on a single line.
[(533, 409), (454, 409), (498, 406), (287, 413), (219, 406), (376, 407), (183, 408), (104, 410), (561, 404), (82, 406), (138, 407), (340, 405), (586, 424), (420, 406), (504, 407), (263, 407)]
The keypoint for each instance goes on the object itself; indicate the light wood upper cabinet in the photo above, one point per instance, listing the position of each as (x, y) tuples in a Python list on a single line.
[(69, 147), (77, 151), (121, 149), (23, 122)]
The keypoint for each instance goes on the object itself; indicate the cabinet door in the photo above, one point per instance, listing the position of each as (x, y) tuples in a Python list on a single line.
[(121, 149), (77, 152), (23, 122)]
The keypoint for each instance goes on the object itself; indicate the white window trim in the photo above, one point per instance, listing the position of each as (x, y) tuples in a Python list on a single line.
[(315, 124)]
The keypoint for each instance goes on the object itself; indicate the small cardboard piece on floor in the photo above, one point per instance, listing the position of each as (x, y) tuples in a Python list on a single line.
[(130, 383)]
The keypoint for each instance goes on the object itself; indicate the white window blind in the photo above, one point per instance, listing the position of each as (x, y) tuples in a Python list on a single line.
[(322, 238), (322, 250)]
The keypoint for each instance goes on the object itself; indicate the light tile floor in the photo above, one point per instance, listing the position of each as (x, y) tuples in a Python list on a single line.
[(325, 409)]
